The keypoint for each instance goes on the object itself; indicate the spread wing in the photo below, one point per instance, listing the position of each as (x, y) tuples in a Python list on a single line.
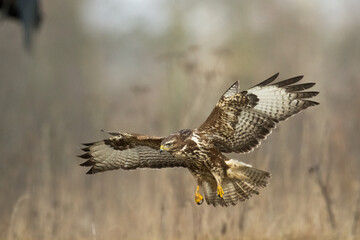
[(127, 151), (240, 120)]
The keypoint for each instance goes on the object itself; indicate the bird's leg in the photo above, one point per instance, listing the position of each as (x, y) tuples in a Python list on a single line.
[(198, 198), (220, 191)]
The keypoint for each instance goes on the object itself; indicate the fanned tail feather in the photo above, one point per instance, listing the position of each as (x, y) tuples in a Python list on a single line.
[(241, 183)]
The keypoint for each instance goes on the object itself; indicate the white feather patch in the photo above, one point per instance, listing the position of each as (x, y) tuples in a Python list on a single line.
[(232, 90), (195, 138), (233, 163)]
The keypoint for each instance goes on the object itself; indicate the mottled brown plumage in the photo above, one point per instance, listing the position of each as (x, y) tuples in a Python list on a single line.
[(239, 121)]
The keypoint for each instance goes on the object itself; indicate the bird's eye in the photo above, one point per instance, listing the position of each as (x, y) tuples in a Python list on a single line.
[(168, 144)]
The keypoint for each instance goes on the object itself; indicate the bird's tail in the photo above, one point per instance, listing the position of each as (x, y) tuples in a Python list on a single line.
[(241, 182)]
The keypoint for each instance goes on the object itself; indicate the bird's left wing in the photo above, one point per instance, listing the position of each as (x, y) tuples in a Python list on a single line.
[(127, 151), (240, 120)]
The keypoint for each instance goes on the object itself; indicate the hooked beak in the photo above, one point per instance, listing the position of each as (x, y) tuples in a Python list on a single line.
[(161, 148)]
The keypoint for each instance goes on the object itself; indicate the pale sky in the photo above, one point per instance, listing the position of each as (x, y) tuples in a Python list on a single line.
[(203, 19)]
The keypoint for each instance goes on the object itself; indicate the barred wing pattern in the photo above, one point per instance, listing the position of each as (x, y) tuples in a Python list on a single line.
[(127, 151), (240, 120)]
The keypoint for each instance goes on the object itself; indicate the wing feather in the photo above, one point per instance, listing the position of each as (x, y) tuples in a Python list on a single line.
[(267, 81), (127, 151), (287, 82), (299, 87), (240, 120)]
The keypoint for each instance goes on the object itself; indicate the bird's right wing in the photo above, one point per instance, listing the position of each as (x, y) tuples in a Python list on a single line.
[(127, 151), (240, 120)]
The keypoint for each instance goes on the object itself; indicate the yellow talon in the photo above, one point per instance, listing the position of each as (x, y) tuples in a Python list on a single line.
[(198, 198), (220, 191)]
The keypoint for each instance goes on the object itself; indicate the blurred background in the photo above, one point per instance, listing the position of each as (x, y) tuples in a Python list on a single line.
[(157, 66)]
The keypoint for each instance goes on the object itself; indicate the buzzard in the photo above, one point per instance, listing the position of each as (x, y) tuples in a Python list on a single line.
[(239, 121)]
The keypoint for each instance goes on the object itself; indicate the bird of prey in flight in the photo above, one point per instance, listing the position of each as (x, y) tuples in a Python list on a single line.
[(239, 121)]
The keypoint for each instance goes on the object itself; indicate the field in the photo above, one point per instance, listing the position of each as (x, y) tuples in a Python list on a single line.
[(77, 81)]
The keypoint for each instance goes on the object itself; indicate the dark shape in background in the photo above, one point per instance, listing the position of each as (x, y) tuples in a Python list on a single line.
[(27, 12)]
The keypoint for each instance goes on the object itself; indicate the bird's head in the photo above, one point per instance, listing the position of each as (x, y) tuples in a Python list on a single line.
[(168, 144), (174, 141)]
